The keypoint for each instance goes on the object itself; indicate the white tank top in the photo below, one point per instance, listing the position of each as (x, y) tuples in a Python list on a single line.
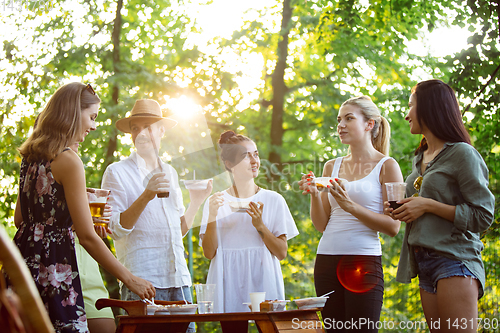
[(344, 233)]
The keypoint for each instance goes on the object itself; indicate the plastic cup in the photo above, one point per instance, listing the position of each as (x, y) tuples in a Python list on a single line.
[(395, 192), (205, 296), (256, 298), (97, 200)]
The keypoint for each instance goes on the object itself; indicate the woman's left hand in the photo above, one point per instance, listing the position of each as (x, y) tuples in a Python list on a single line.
[(339, 193), (255, 211), (411, 209)]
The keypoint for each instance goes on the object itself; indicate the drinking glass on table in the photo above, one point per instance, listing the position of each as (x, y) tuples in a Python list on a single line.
[(97, 201), (205, 295)]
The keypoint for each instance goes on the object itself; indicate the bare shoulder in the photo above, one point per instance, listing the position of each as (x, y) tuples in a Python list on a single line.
[(328, 168), (391, 171), (67, 163), (390, 164)]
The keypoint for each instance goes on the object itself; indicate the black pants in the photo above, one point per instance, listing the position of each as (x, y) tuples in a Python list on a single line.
[(358, 282)]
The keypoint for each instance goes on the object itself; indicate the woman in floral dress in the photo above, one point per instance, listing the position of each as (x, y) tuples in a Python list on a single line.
[(52, 198)]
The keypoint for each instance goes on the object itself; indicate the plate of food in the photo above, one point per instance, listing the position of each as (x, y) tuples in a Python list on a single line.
[(239, 206), (322, 183), (178, 309), (269, 305), (162, 310), (311, 302)]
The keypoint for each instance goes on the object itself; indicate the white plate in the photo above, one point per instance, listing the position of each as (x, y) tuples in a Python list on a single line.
[(239, 206), (183, 309), (322, 183), (325, 181), (311, 302)]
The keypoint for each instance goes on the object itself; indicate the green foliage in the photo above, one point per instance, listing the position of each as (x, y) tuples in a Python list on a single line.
[(473, 68), (336, 49)]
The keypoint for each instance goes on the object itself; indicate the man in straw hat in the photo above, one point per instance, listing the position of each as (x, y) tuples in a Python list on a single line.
[(146, 227)]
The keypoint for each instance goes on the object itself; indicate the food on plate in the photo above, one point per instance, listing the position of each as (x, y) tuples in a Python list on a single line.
[(176, 309), (311, 302), (276, 305), (239, 206), (322, 183)]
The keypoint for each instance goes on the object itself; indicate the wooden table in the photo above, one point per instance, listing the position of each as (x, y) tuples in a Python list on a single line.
[(302, 321)]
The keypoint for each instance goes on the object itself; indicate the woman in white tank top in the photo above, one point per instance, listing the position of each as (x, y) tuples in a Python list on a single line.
[(350, 216)]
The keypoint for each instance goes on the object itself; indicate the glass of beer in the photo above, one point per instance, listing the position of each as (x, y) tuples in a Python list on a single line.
[(97, 201)]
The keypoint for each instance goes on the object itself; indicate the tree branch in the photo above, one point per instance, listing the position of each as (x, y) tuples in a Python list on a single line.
[(320, 82)]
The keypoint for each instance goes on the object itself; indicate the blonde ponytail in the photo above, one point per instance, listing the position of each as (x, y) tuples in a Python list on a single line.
[(380, 139)]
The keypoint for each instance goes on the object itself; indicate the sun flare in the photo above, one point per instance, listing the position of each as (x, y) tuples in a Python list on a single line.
[(183, 107)]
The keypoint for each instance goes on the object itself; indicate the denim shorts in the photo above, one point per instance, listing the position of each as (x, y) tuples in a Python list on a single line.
[(433, 267)]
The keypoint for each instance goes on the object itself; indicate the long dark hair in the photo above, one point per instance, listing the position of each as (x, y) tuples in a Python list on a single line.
[(437, 108)]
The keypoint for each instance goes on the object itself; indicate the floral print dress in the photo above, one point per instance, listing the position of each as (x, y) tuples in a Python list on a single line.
[(46, 242)]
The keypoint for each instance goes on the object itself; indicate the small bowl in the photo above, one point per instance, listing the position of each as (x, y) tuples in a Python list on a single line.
[(279, 305), (239, 206), (151, 309), (196, 184), (311, 302)]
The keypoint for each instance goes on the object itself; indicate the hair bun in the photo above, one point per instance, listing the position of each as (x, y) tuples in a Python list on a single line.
[(224, 137)]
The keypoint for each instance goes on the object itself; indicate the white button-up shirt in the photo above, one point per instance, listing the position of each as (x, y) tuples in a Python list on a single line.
[(153, 248)]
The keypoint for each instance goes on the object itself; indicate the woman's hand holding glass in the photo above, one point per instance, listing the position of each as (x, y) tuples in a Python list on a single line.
[(412, 208), (101, 224), (101, 219)]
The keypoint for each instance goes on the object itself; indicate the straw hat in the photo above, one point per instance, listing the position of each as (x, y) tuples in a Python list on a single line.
[(145, 109)]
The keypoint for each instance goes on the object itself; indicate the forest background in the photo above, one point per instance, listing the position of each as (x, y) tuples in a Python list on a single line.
[(306, 58)]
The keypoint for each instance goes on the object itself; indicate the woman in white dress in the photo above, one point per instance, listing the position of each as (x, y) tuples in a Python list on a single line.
[(245, 247)]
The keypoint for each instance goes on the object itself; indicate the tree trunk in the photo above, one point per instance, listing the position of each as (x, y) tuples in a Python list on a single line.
[(117, 27), (110, 280), (279, 88)]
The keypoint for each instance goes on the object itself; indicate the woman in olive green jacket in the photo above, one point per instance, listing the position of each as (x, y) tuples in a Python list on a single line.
[(448, 206)]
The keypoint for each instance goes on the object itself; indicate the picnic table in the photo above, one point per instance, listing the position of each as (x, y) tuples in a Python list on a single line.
[(301, 321)]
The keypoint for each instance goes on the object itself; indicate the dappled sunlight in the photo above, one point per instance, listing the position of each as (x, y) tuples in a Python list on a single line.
[(216, 65)]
